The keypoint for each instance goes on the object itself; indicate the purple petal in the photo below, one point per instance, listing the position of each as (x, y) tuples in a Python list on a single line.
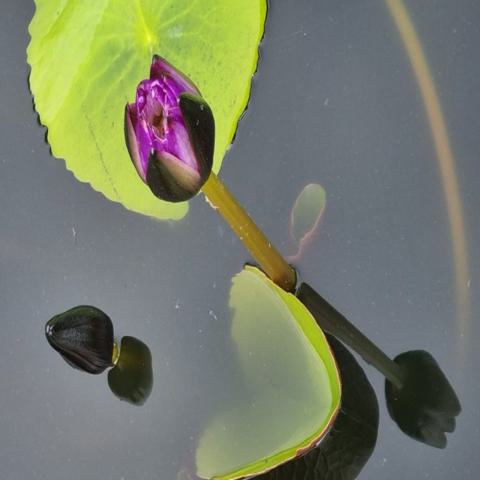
[(130, 121), (144, 146), (179, 144), (178, 82), (137, 139)]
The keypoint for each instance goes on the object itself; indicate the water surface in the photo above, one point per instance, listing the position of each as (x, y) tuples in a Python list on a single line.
[(334, 102)]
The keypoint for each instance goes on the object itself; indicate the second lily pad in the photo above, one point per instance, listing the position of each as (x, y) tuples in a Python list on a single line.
[(292, 386)]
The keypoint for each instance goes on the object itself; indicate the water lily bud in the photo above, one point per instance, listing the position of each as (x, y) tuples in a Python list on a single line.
[(170, 133), (83, 336)]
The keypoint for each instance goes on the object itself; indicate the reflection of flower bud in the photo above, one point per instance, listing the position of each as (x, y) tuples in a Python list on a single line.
[(131, 379), (170, 133), (426, 405), (83, 336)]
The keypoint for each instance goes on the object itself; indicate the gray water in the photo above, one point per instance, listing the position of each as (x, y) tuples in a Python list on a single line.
[(335, 102)]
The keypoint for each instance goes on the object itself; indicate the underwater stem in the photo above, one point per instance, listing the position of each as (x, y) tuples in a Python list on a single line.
[(333, 322), (262, 250)]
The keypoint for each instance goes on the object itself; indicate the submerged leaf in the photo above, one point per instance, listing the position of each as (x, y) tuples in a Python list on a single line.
[(292, 387), (87, 58), (306, 214)]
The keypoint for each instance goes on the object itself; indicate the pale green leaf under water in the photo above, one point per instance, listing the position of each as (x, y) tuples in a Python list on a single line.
[(87, 58), (292, 387), (306, 215), (307, 210)]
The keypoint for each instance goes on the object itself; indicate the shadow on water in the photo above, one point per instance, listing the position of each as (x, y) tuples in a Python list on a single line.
[(131, 379), (419, 397), (426, 405)]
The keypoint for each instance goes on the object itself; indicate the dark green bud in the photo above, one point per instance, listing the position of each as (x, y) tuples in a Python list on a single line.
[(83, 336)]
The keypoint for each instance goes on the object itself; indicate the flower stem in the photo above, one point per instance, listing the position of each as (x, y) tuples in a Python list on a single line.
[(332, 321), (254, 240)]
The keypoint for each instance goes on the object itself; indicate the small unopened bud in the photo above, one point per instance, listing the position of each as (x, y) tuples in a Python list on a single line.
[(170, 133), (83, 336)]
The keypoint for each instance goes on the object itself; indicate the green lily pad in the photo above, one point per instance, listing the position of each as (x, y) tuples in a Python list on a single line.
[(87, 58), (306, 214), (347, 447), (292, 386)]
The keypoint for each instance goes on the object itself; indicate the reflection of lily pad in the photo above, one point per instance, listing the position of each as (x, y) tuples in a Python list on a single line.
[(87, 58), (306, 213), (291, 382)]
